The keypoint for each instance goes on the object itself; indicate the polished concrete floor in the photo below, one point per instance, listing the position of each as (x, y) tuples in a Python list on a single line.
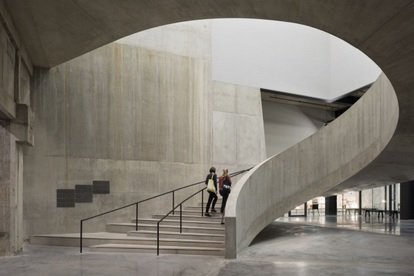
[(316, 245)]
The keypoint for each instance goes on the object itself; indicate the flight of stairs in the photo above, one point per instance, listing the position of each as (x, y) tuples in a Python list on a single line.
[(200, 235)]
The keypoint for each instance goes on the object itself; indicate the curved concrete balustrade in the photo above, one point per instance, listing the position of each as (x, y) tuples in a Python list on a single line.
[(311, 167)]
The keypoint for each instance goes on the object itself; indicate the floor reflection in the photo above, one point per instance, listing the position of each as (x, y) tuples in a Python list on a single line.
[(383, 225)]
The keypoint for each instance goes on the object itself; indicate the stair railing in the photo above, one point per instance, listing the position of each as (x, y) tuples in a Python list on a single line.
[(181, 216), (181, 209), (172, 192)]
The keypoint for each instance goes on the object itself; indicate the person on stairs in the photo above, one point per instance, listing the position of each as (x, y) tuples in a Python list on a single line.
[(224, 188), (212, 198)]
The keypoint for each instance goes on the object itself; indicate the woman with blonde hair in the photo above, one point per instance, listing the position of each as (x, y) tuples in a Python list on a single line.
[(224, 189)]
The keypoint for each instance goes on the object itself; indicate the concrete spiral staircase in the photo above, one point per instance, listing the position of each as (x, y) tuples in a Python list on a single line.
[(200, 235)]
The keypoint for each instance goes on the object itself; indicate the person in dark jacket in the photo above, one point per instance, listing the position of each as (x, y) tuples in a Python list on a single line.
[(212, 198), (224, 186)]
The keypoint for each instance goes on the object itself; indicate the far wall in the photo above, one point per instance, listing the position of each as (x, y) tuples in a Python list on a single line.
[(286, 125), (287, 57), (145, 119)]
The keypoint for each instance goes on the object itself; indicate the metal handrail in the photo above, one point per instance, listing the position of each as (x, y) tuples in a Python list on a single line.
[(181, 217), (181, 209), (136, 208)]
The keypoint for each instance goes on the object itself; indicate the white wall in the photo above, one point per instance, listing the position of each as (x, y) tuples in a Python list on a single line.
[(287, 57), (286, 125)]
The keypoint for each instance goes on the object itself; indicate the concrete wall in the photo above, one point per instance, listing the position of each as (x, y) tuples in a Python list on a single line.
[(286, 125), (15, 133), (146, 120), (11, 195), (311, 167), (237, 126), (7, 64), (135, 117)]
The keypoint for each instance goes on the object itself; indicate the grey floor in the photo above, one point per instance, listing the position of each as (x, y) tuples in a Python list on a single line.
[(316, 245)]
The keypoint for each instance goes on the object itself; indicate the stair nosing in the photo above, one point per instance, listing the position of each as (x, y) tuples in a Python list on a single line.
[(132, 246), (187, 221), (176, 233), (132, 238), (171, 226)]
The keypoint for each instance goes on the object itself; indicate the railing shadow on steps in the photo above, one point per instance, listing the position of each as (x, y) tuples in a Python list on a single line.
[(181, 208), (172, 192)]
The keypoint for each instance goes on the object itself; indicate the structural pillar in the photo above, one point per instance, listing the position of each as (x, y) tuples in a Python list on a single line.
[(331, 205), (390, 198), (407, 200), (11, 203)]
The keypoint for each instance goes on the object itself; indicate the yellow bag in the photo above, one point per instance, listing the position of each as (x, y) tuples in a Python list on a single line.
[(210, 186)]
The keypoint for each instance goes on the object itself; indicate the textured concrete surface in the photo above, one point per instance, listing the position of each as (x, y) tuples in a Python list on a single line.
[(11, 194), (281, 249), (147, 120), (7, 62), (58, 31), (311, 167), (237, 126), (135, 117)]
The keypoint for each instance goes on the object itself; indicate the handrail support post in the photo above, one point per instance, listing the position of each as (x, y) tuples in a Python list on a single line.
[(80, 238), (202, 202), (181, 218), (136, 217), (158, 238), (173, 203)]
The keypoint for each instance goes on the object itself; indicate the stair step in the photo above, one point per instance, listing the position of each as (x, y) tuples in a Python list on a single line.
[(163, 249), (190, 212), (167, 221), (200, 235), (175, 235), (218, 202), (90, 239), (125, 227), (198, 208), (214, 217)]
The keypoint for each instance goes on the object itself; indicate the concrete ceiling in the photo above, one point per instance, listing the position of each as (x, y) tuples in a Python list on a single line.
[(55, 31)]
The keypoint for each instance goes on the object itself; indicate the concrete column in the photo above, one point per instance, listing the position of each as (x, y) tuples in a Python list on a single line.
[(330, 205), (390, 198), (407, 200), (385, 198), (11, 215)]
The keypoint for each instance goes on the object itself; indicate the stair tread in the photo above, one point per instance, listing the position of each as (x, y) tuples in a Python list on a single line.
[(175, 233), (186, 221), (165, 225), (214, 216), (116, 236), (133, 246)]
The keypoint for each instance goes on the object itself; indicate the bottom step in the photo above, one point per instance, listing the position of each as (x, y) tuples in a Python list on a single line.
[(153, 249)]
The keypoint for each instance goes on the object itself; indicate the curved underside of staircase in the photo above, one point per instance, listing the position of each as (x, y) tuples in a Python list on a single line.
[(312, 167)]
